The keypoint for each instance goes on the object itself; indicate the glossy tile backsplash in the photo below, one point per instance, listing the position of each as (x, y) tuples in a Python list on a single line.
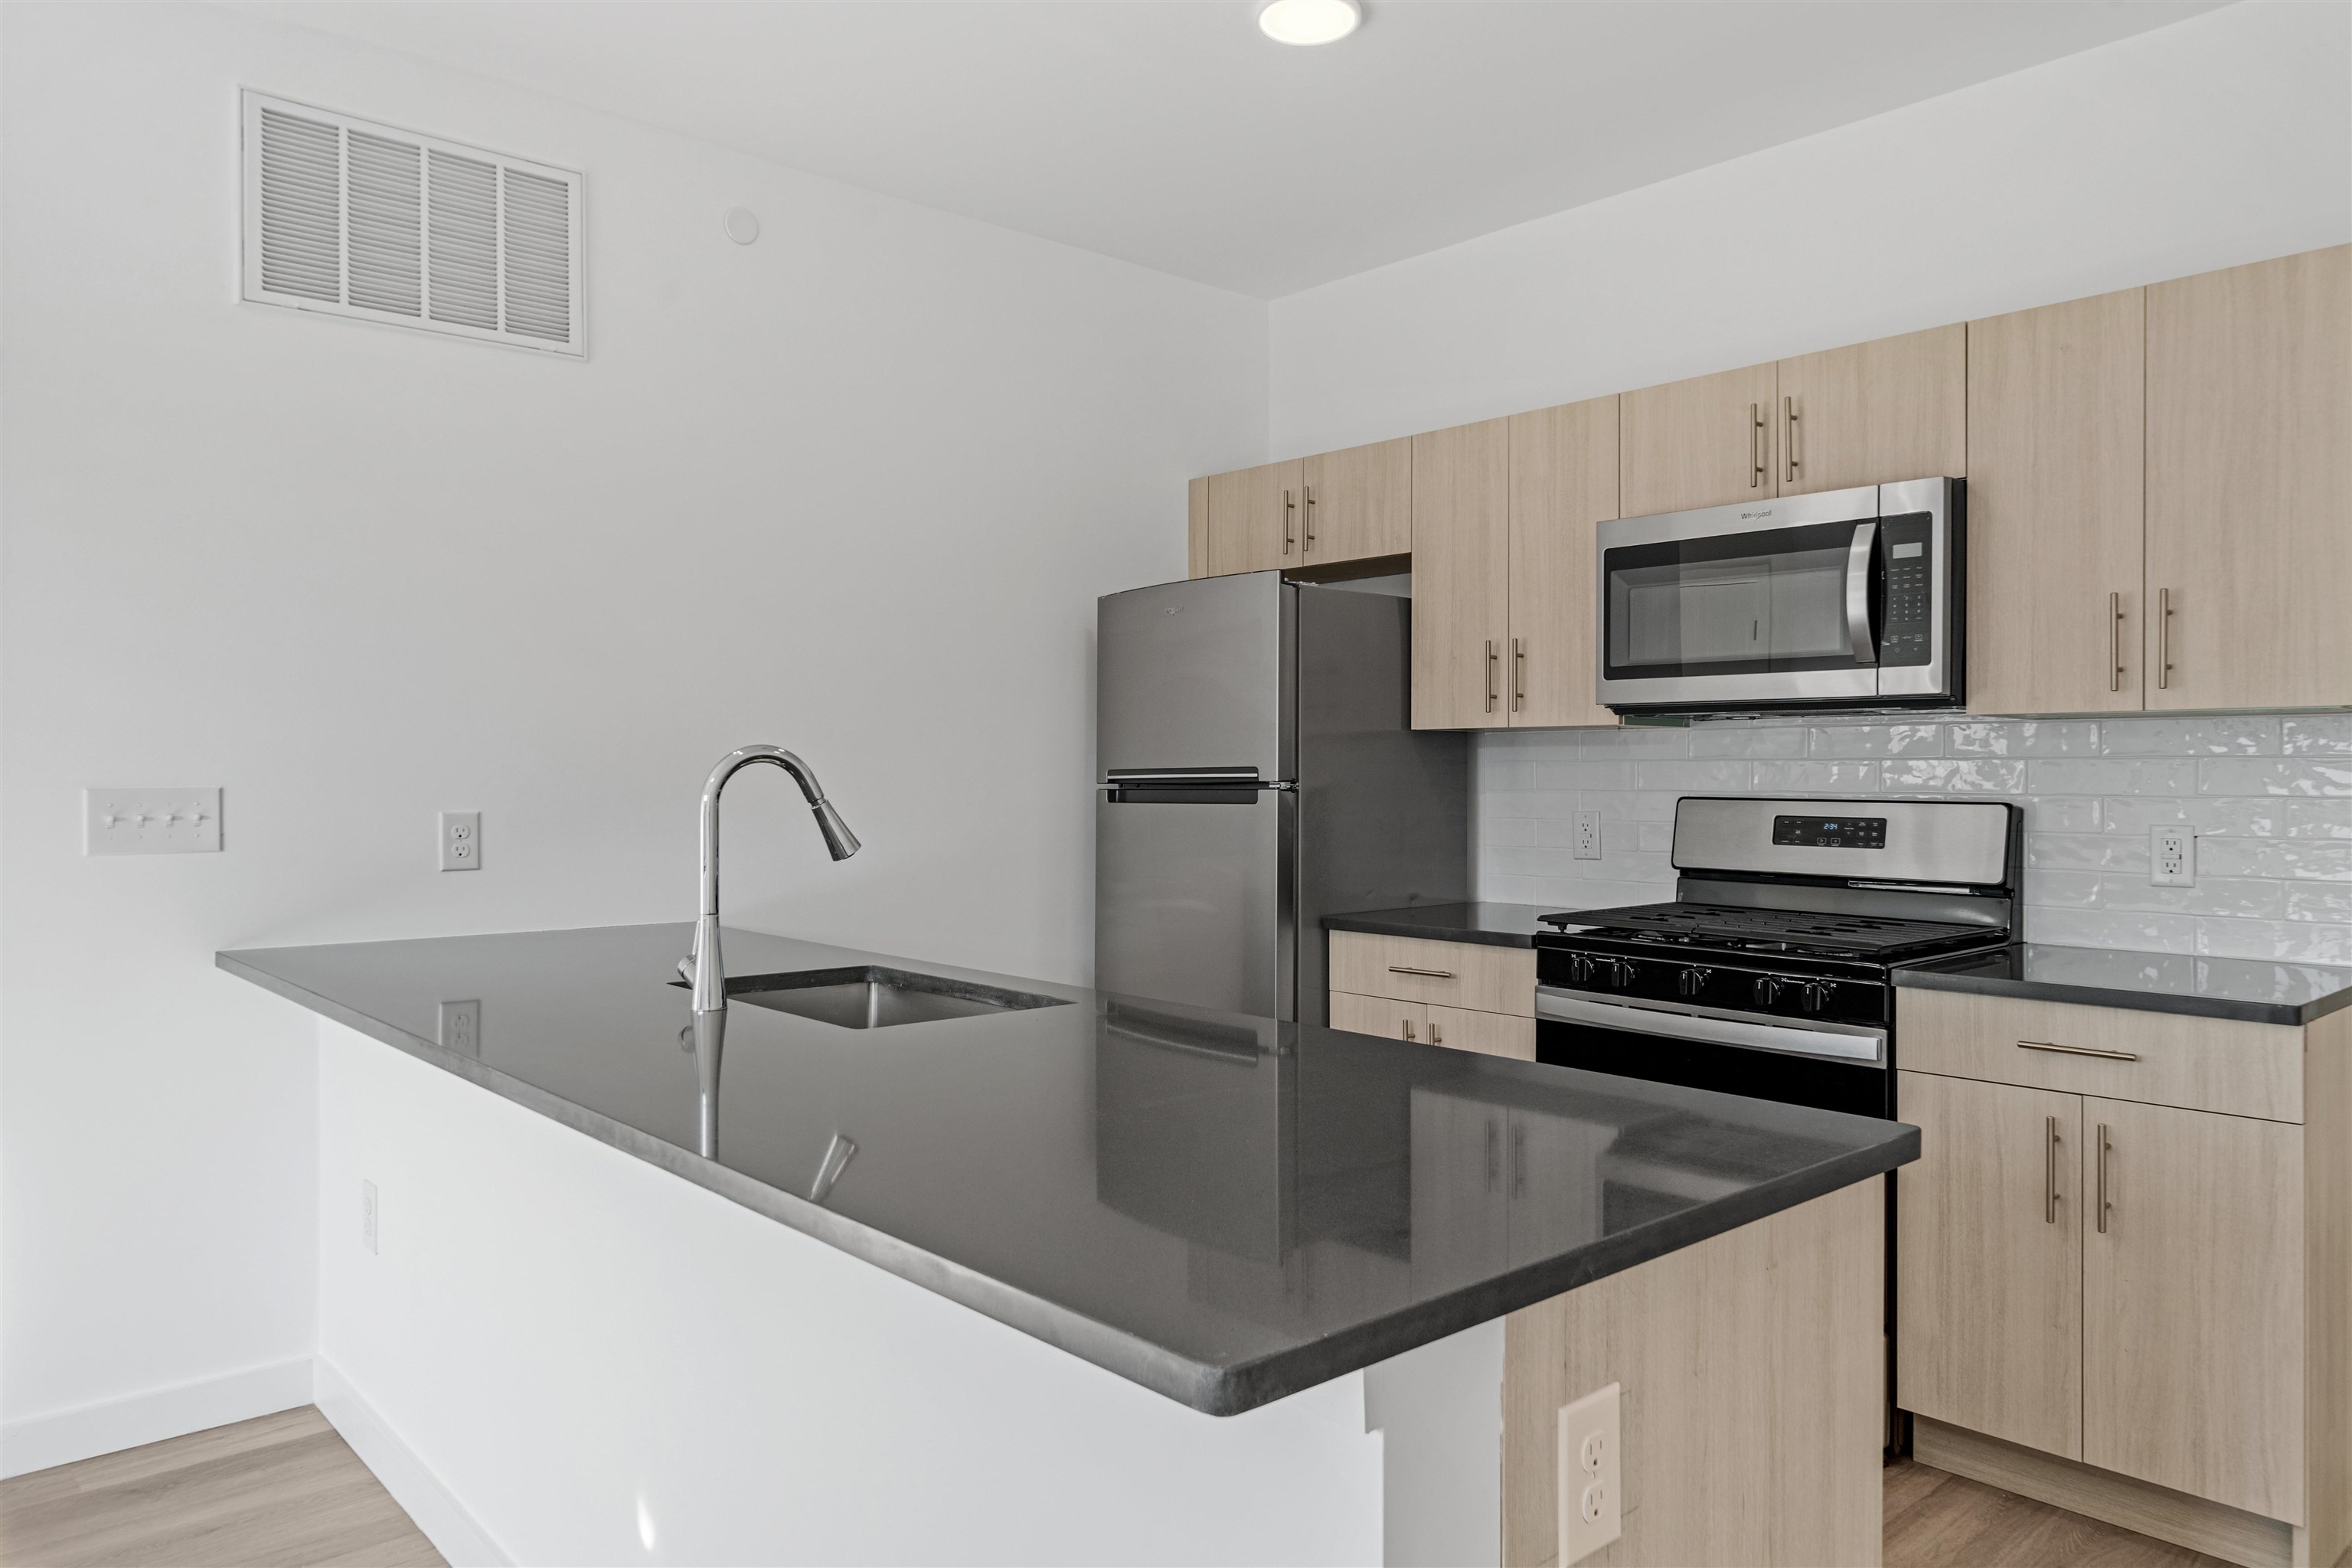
[(2269, 796)]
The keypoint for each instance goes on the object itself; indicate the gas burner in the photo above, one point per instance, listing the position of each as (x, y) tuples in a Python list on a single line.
[(1773, 931)]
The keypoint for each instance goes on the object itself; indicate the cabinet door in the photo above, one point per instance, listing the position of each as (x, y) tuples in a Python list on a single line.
[(1379, 1016), (2192, 1303), (1254, 519), (2055, 433), (1460, 1216), (1563, 482), (1703, 442), (1358, 503), (1987, 1277), (1461, 576), (1490, 1033), (1556, 1184), (2250, 485), (1893, 410)]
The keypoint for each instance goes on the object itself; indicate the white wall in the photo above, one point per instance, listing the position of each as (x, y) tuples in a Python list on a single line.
[(2224, 138), (851, 489)]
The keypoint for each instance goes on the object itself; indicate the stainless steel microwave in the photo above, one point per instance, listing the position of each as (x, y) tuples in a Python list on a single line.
[(1846, 599)]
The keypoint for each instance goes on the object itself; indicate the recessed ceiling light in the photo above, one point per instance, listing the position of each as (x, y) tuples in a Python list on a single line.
[(1308, 21)]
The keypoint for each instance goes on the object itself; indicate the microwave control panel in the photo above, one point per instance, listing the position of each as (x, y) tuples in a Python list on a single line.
[(1906, 546)]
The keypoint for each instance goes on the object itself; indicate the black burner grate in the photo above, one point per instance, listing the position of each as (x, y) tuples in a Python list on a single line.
[(1758, 927)]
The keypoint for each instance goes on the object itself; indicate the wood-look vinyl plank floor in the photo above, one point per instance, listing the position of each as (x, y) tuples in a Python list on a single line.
[(1937, 1519), (282, 1490)]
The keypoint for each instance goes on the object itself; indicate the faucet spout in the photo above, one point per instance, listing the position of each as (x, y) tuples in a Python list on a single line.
[(703, 967)]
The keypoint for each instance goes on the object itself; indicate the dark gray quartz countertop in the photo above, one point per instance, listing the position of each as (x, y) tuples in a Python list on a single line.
[(1223, 1209), (1496, 925), (2257, 990)]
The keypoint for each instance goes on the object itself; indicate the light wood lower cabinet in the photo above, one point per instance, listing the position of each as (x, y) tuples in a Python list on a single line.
[(1477, 976), (2192, 1303), (1490, 1033), (1988, 1328), (2165, 1291), (1379, 1016)]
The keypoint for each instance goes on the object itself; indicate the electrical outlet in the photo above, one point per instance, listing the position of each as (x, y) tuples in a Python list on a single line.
[(461, 1027), (151, 821), (367, 1215), (461, 840), (2171, 858), (1591, 1474), (1587, 835)]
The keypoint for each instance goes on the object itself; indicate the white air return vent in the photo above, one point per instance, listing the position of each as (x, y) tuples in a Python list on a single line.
[(358, 219)]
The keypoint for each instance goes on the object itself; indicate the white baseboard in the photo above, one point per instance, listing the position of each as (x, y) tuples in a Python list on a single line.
[(37, 1442), (445, 1521)]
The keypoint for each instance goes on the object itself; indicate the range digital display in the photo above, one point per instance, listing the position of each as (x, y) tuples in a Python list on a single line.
[(1831, 832)]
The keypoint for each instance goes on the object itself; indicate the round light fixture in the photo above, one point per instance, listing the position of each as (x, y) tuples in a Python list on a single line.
[(1308, 21)]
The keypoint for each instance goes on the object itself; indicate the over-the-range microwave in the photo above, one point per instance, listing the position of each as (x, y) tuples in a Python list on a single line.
[(1850, 598)]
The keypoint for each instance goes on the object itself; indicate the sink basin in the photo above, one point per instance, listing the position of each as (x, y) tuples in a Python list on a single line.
[(869, 996)]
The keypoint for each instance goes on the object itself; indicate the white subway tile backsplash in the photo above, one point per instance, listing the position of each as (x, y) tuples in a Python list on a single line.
[(2270, 798), (2317, 735), (2290, 775), (2206, 735)]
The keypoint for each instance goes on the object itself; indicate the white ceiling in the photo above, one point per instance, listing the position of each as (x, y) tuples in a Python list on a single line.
[(1172, 133)]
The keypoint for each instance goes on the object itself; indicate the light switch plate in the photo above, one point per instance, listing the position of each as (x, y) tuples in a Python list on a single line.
[(151, 821), (461, 840), (1591, 1474)]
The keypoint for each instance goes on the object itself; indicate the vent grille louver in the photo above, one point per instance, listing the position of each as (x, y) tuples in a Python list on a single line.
[(348, 218)]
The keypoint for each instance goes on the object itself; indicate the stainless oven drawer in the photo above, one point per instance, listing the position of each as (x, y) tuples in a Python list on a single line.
[(1837, 1042)]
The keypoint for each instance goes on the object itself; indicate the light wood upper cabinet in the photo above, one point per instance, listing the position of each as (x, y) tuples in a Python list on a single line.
[(1707, 441), (1460, 577), (1253, 519), (1989, 1301), (1563, 483), (1895, 408), (2056, 434), (1358, 503), (2193, 1304), (2250, 485)]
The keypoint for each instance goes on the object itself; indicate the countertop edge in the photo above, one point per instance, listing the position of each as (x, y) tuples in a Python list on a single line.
[(2286, 1013), (1371, 924)]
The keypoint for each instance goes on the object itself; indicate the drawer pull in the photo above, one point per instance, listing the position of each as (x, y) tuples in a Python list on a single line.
[(1409, 969), (2078, 1051), (2106, 1205)]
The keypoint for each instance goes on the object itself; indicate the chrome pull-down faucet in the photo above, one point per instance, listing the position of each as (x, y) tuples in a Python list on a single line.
[(702, 968)]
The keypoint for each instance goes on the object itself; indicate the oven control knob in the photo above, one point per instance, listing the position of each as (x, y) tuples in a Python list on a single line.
[(1621, 971), (1817, 995), (1769, 988), (1691, 982), (1580, 968)]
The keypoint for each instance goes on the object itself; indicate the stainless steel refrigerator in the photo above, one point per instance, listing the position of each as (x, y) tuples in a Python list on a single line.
[(1258, 771)]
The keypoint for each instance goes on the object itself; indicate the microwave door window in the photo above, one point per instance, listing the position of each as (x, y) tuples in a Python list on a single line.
[(1729, 605)]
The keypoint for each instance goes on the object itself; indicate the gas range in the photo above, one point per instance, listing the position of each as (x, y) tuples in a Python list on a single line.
[(1771, 973)]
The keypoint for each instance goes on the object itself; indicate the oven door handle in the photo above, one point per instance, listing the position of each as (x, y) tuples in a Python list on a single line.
[(1857, 592), (1864, 1046)]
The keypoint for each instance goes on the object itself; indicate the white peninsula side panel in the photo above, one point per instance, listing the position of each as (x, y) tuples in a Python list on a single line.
[(563, 1354)]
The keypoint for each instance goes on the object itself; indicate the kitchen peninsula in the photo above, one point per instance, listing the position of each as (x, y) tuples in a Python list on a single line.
[(1312, 1234)]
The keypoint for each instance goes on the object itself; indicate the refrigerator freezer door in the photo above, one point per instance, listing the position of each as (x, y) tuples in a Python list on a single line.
[(1193, 902), (1197, 675)]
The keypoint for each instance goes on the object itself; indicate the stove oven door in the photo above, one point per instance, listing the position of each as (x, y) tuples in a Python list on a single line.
[(1833, 1066)]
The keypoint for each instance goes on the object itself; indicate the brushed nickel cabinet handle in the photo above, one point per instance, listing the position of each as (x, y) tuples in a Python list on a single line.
[(2105, 1204), (1494, 1154), (1518, 1159), (1436, 1035), (1755, 446), (2163, 637), (2050, 1171), (1289, 519), (1405, 1025), (1518, 675), (1493, 661), (1789, 423), (1432, 974), (2115, 642), (2078, 1050), (1308, 490)]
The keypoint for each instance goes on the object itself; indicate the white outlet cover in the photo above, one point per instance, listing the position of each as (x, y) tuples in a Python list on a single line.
[(1591, 1474), (151, 821), (1587, 836), (2171, 857), (461, 1027), (461, 840)]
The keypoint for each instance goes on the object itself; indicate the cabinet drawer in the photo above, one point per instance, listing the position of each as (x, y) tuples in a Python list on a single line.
[(2197, 1064), (1454, 973), (1379, 1016), (1490, 1033)]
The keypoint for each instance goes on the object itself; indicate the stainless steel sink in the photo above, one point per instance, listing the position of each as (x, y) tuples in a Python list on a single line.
[(869, 996)]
